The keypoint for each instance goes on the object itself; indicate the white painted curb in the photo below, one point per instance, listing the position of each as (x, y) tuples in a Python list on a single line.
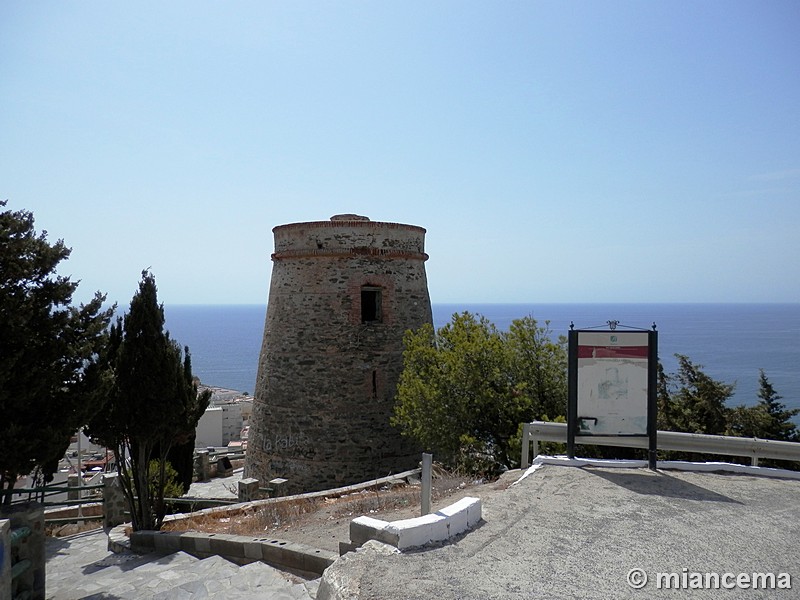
[(678, 465), (419, 531)]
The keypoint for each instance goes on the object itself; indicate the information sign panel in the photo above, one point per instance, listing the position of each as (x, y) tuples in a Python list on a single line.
[(612, 381)]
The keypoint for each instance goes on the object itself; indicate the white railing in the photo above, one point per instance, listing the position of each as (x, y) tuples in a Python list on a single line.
[(754, 448)]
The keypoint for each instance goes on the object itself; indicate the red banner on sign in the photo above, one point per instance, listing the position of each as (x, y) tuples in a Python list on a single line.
[(613, 352)]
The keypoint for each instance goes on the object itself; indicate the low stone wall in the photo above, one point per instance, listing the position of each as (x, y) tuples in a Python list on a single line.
[(240, 549), (28, 552), (207, 466), (419, 531), (94, 509), (118, 538), (115, 504), (288, 555), (5, 559)]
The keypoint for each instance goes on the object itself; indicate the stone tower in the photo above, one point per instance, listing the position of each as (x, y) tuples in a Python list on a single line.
[(343, 293)]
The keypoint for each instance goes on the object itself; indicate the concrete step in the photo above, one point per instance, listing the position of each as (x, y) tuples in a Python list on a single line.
[(181, 576), (164, 574), (81, 568), (124, 575), (214, 577)]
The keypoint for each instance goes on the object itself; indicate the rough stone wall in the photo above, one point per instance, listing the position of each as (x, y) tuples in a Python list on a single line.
[(31, 582), (326, 380), (115, 504)]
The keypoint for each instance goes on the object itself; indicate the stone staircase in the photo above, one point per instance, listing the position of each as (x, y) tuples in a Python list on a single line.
[(174, 577)]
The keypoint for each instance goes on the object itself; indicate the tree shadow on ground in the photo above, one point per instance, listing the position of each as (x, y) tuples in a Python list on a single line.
[(128, 562), (56, 546), (660, 483)]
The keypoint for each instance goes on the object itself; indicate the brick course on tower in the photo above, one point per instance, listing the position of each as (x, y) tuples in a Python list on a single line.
[(343, 293)]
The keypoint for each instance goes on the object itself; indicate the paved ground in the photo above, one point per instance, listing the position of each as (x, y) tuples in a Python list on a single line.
[(80, 567), (224, 488), (561, 533), (569, 533)]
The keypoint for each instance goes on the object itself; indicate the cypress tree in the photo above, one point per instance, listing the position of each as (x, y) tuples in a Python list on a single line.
[(151, 403)]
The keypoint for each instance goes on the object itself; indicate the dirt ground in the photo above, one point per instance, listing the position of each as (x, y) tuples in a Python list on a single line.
[(324, 522)]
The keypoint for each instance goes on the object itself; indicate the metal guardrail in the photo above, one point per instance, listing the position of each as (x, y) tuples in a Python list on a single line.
[(230, 456), (754, 448), (52, 490), (65, 520), (208, 502), (57, 488)]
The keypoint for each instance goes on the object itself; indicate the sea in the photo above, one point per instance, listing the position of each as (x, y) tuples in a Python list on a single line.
[(730, 341)]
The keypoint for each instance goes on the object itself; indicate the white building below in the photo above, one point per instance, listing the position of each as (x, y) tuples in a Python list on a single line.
[(227, 414)]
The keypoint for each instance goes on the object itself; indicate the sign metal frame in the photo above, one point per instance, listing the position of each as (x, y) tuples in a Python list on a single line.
[(612, 385)]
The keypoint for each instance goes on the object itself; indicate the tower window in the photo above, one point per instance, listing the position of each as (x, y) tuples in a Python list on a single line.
[(370, 305)]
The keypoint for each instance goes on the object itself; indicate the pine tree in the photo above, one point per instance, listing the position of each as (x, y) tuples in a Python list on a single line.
[(698, 405), (539, 367), (667, 417), (768, 419), (780, 425), (466, 388), (47, 350)]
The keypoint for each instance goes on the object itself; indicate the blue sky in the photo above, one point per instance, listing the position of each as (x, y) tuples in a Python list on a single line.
[(555, 151)]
